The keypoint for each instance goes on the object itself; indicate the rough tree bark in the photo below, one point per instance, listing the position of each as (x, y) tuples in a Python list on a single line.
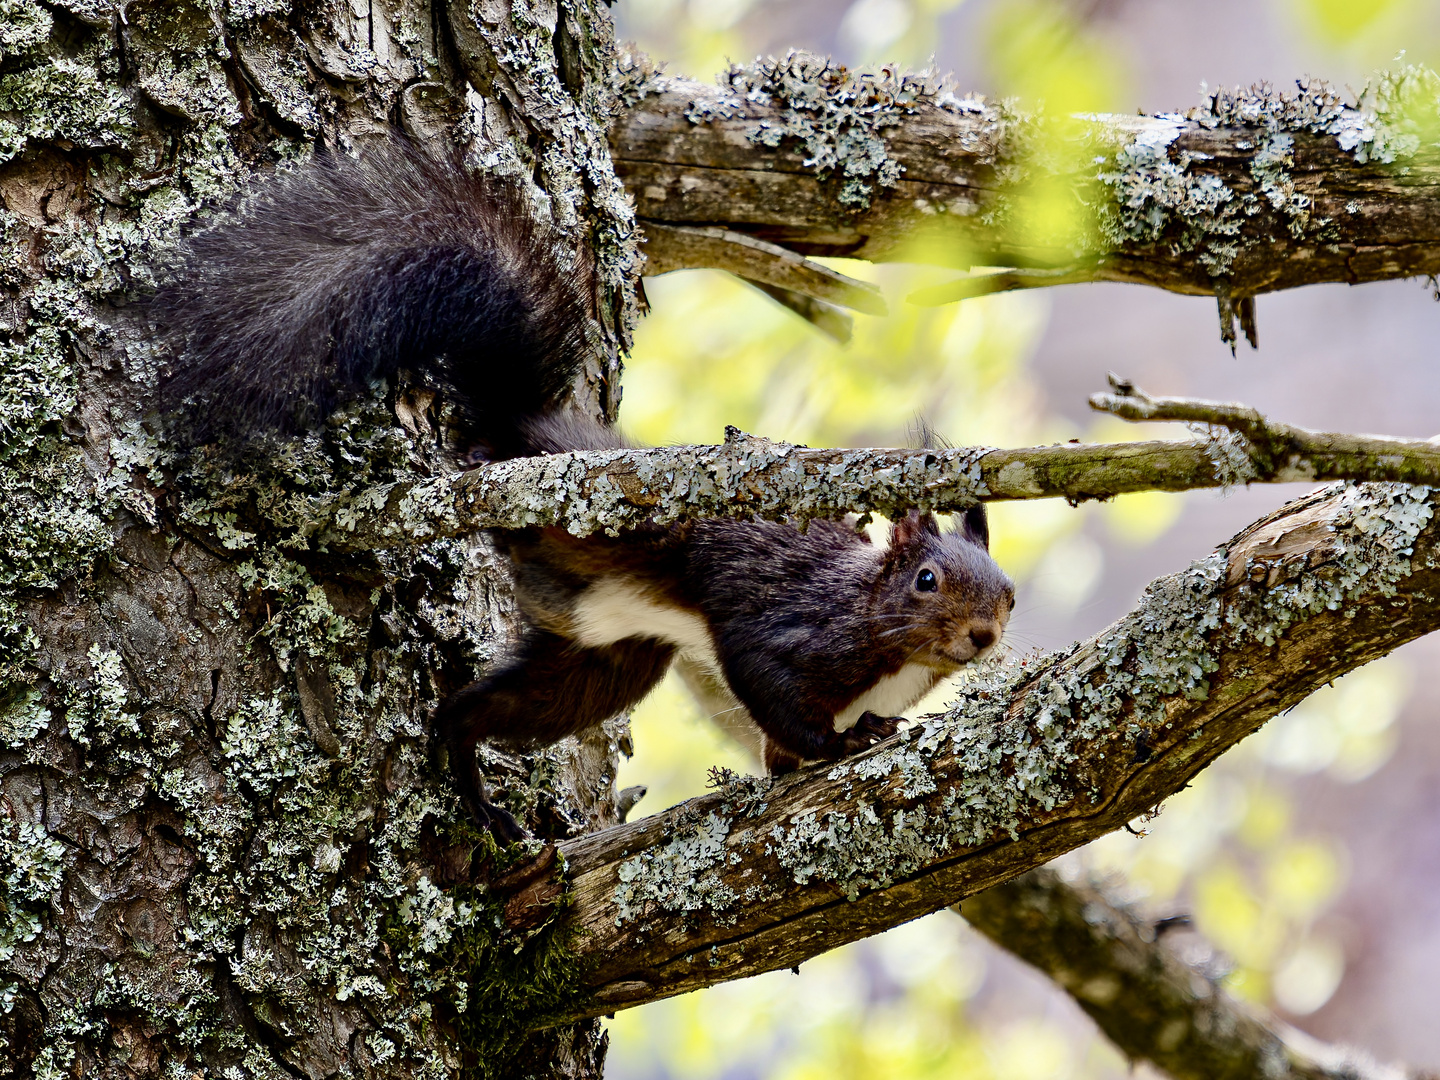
[(223, 842), (224, 849)]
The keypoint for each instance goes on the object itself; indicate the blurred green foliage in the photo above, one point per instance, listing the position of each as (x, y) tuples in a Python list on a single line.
[(930, 999), (1368, 33)]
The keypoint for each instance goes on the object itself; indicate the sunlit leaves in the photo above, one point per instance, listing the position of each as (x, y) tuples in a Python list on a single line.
[(1367, 26), (1057, 67)]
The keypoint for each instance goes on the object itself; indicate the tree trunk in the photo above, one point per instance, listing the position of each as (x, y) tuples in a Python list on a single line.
[(223, 843)]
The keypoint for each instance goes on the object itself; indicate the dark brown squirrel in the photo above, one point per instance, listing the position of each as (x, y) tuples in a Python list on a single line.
[(349, 271)]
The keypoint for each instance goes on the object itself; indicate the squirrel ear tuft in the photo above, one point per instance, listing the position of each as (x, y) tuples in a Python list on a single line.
[(905, 531), (975, 525)]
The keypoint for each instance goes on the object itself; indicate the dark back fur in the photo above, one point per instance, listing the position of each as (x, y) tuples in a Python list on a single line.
[(345, 272)]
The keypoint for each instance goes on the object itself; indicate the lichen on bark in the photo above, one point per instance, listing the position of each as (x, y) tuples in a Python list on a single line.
[(224, 846)]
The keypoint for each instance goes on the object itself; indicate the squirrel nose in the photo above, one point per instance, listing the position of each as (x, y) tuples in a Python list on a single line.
[(982, 637)]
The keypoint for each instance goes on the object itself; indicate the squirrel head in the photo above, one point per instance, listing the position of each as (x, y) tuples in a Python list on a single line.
[(942, 600)]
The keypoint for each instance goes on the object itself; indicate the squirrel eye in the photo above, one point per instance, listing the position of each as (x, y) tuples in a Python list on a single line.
[(926, 581)]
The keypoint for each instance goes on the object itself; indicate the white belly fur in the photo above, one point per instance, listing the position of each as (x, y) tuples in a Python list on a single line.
[(891, 696), (615, 608)]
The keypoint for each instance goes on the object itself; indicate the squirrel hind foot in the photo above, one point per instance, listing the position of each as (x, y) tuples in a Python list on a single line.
[(498, 822)]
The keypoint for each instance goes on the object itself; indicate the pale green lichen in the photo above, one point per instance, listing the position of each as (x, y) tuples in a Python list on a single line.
[(193, 87), (1405, 106), (1161, 194), (902, 760), (240, 12), (1166, 194), (99, 712), (22, 718), (1388, 121), (266, 744), (52, 525), (1230, 453), (37, 388), (99, 14), (24, 24), (65, 98), (835, 115), (32, 865), (679, 877)]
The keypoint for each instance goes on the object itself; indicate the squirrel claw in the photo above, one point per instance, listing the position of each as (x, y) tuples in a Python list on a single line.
[(498, 822), (876, 726)]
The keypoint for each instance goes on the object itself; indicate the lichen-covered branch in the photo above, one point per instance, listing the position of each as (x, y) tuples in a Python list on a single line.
[(1031, 761), (607, 490), (1148, 1001), (1252, 192)]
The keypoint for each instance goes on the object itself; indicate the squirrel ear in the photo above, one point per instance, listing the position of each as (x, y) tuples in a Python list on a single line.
[(905, 531), (975, 525)]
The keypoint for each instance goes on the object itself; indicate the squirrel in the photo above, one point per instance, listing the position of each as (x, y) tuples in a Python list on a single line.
[(348, 271)]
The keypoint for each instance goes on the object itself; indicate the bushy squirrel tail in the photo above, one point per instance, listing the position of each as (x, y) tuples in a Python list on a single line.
[(345, 272)]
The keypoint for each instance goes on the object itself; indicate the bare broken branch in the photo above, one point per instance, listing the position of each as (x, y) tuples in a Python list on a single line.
[(1030, 762), (1147, 1000), (1265, 450), (675, 247), (997, 281)]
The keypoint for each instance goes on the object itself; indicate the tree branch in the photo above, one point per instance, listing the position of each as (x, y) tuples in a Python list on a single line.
[(1253, 192), (672, 247), (588, 491), (1145, 998), (1031, 761)]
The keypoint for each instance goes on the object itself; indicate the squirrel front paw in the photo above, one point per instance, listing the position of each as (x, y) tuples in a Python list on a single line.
[(870, 729)]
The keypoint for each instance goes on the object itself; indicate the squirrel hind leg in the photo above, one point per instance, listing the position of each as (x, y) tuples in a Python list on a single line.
[(778, 760), (548, 689)]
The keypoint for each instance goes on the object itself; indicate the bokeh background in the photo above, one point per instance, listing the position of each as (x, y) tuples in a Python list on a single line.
[(1309, 858)]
